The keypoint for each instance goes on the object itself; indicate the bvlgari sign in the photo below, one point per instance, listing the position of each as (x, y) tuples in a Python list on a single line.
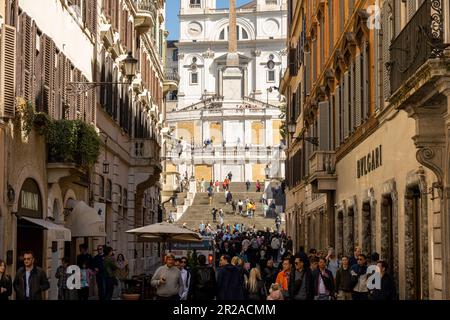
[(369, 162)]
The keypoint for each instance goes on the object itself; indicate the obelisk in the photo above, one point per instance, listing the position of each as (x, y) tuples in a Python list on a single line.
[(232, 76)]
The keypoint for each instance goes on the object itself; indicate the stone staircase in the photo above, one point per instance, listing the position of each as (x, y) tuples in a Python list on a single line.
[(200, 209)]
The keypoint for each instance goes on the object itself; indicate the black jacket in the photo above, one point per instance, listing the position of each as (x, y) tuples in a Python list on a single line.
[(230, 280), (344, 280), (260, 294), (6, 283), (38, 283), (294, 286), (270, 276), (203, 283), (327, 280), (387, 291)]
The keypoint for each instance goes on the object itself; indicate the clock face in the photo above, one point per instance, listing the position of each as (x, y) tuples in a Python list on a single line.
[(194, 29)]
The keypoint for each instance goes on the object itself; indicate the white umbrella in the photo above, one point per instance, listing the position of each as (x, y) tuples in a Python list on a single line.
[(165, 232)]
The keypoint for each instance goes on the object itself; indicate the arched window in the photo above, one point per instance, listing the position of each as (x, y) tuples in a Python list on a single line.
[(242, 34)]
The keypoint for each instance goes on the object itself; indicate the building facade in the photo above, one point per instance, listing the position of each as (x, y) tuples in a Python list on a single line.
[(216, 129), (353, 175), (55, 194)]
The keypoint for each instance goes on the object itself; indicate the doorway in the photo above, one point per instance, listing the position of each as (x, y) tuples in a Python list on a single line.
[(30, 237)]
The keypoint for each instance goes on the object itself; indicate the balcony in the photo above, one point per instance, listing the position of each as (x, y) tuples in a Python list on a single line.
[(145, 15), (420, 40), (145, 152), (171, 80), (322, 166)]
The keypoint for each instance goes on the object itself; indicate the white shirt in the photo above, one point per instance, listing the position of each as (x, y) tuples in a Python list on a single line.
[(27, 279), (185, 276), (322, 289)]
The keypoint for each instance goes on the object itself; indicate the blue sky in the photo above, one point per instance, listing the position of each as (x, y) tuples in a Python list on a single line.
[(173, 8)]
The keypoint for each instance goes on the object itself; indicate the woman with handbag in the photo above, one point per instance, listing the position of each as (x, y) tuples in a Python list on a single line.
[(255, 286)]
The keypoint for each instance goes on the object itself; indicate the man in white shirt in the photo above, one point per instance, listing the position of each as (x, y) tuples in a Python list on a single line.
[(186, 278)]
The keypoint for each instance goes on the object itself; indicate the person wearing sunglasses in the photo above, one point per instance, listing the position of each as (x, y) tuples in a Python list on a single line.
[(359, 279), (185, 276), (30, 281)]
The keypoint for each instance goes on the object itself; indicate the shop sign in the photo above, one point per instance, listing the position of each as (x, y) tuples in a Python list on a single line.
[(370, 162)]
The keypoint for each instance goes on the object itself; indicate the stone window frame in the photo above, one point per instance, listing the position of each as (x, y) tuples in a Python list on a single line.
[(416, 179), (339, 236), (389, 190), (369, 198), (351, 204)]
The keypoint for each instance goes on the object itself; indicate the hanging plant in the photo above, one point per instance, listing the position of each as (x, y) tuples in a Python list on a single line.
[(88, 143), (25, 115)]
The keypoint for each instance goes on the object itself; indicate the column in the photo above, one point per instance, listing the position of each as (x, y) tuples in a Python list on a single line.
[(245, 93)]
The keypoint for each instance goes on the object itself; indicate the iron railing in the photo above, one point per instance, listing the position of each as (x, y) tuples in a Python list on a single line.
[(421, 39)]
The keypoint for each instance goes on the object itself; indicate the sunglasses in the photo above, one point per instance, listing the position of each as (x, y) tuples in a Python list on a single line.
[(27, 259)]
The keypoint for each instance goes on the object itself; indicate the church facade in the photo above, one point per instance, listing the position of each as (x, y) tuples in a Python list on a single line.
[(227, 117)]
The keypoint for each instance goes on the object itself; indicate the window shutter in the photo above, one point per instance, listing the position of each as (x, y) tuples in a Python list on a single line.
[(386, 55), (351, 104), (308, 72), (346, 105), (358, 84), (365, 82), (7, 72), (337, 128), (324, 126)]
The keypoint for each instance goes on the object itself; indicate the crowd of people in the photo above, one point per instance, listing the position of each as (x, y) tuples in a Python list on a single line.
[(102, 277), (254, 265)]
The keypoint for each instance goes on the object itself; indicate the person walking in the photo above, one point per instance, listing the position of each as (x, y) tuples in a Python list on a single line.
[(110, 269), (202, 185), (233, 206), (269, 274), (275, 245), (122, 271), (301, 285), (255, 287), (248, 185), (185, 277), (332, 262), (30, 281), (230, 176), (230, 280), (258, 186), (359, 279), (84, 256), (344, 281), (167, 280), (387, 290), (203, 281), (5, 282), (214, 215), (210, 194), (62, 276), (283, 277), (354, 259), (323, 282), (217, 184), (240, 206), (97, 265), (85, 272)]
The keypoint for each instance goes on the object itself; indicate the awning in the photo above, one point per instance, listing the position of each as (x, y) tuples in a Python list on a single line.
[(55, 232), (84, 221)]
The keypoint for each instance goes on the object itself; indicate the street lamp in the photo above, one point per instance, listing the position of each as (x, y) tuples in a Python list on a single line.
[(292, 127), (129, 66)]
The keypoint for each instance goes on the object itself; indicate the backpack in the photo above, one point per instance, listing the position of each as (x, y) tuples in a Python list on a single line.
[(204, 278)]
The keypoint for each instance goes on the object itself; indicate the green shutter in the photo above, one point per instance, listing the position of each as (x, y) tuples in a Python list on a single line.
[(337, 129), (346, 105), (324, 126)]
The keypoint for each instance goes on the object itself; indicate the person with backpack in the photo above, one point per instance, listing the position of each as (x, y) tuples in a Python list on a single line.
[(203, 281)]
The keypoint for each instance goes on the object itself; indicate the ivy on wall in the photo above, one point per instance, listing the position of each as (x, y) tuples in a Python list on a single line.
[(69, 141)]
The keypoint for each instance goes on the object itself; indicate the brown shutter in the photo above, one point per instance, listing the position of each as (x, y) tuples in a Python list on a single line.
[(7, 71)]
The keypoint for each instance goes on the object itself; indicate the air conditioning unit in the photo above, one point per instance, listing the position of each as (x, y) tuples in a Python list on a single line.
[(7, 71)]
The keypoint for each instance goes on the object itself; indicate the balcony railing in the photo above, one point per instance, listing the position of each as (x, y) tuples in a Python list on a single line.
[(170, 75), (322, 168), (145, 5), (421, 39), (322, 162)]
